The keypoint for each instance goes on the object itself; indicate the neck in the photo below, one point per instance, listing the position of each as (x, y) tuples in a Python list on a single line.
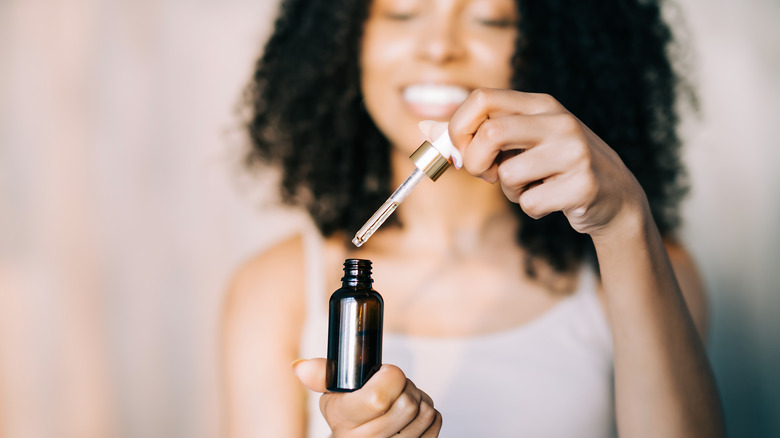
[(451, 212)]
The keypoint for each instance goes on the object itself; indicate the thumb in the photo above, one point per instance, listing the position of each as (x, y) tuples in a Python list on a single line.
[(435, 133), (311, 373), (432, 129)]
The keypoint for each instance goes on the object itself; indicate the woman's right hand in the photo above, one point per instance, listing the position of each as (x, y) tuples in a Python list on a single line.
[(388, 404)]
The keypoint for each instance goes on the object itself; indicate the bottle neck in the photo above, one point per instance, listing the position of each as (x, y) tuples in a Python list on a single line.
[(357, 274)]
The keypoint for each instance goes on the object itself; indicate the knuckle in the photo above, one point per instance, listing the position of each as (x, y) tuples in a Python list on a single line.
[(480, 96), (394, 373), (547, 101), (506, 175), (404, 401), (377, 402), (492, 130), (578, 152), (380, 398), (426, 413), (567, 123), (407, 407), (395, 379), (529, 204)]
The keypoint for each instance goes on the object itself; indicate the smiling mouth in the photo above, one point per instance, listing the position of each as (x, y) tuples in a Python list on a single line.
[(429, 94), (429, 101)]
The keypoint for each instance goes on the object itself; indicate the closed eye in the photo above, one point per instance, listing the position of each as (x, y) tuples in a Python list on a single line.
[(496, 22), (399, 16)]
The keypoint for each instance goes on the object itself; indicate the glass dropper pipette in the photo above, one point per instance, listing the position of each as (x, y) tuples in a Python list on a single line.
[(431, 160)]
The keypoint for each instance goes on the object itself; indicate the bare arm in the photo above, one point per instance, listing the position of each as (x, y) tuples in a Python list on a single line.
[(664, 385), (663, 382), (691, 286), (262, 322)]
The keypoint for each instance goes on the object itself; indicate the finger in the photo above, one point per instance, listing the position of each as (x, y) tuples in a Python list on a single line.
[(404, 412), (566, 193), (422, 422), (506, 133), (311, 373), (539, 164), (434, 429), (432, 129), (372, 401), (485, 103), (426, 415), (426, 398)]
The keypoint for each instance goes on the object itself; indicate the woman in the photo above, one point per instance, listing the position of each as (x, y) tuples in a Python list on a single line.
[(555, 313)]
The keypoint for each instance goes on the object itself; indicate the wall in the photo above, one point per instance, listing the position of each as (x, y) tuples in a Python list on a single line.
[(122, 214), (734, 209)]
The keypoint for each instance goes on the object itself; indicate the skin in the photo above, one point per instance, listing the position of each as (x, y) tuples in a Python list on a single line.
[(408, 42), (663, 382), (664, 388)]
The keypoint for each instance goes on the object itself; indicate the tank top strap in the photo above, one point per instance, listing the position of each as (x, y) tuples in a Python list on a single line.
[(315, 278), (315, 329), (592, 308), (315, 336)]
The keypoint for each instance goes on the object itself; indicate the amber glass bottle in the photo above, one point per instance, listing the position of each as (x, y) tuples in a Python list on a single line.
[(354, 329)]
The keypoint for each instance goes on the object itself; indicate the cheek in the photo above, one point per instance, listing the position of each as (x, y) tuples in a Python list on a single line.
[(371, 60), (495, 61), (382, 59), (372, 81)]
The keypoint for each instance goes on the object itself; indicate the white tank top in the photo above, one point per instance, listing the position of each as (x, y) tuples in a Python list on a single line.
[(550, 377)]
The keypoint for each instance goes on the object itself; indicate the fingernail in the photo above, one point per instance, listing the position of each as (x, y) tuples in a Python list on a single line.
[(425, 127), (295, 363), (457, 158)]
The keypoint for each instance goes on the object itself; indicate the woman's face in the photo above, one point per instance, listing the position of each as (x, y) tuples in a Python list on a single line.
[(421, 58)]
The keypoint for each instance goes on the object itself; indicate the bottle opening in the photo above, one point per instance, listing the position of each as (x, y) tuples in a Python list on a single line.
[(357, 271)]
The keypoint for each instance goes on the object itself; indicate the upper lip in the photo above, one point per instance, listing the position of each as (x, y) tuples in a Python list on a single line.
[(440, 82)]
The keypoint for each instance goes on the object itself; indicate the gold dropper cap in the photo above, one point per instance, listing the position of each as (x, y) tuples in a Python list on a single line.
[(429, 160)]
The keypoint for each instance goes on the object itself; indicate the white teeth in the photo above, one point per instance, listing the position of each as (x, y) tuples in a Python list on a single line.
[(435, 94)]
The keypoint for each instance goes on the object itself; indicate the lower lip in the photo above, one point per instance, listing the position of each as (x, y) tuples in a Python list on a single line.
[(430, 111)]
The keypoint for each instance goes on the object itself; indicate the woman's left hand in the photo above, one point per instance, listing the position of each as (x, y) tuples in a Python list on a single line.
[(546, 160)]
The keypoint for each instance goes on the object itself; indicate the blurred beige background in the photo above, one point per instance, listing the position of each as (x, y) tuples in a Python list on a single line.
[(122, 212)]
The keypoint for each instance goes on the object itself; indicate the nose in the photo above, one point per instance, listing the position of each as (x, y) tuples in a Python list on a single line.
[(440, 42)]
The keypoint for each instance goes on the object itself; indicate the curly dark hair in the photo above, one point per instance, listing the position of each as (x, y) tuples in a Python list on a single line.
[(606, 61)]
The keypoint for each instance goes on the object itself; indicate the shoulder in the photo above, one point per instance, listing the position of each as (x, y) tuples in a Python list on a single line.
[(691, 284), (262, 322), (281, 265), (267, 290)]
